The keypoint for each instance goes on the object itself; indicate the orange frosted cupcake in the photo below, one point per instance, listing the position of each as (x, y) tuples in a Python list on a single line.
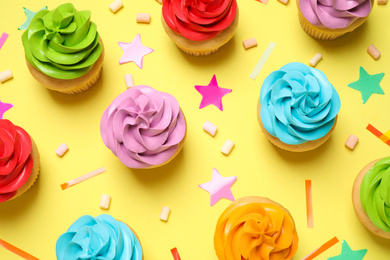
[(200, 27), (255, 228), (19, 161), (63, 49)]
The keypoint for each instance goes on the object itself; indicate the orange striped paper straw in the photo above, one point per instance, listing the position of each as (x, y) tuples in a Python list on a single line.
[(309, 204), (17, 251), (82, 178), (321, 249)]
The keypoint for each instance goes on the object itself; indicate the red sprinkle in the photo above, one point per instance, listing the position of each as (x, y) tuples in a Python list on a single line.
[(175, 254)]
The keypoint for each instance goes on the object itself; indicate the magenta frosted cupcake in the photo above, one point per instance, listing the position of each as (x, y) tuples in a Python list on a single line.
[(143, 127)]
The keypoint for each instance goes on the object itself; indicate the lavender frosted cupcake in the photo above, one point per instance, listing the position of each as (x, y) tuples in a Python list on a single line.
[(144, 127), (330, 19)]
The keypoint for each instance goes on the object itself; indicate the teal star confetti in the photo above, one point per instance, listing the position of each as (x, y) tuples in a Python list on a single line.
[(30, 15), (368, 84), (348, 254)]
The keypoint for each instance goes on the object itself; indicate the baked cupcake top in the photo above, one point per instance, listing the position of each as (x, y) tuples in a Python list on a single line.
[(143, 127), (16, 162), (62, 43), (374, 194), (334, 14), (249, 229), (298, 104), (102, 237), (199, 20)]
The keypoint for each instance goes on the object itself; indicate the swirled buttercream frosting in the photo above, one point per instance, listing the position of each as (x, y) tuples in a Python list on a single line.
[(62, 43), (143, 127), (334, 14), (249, 229), (199, 20), (298, 104), (16, 162), (102, 238), (375, 194)]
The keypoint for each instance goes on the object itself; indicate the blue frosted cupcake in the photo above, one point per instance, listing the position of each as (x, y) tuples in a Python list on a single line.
[(298, 107), (102, 237)]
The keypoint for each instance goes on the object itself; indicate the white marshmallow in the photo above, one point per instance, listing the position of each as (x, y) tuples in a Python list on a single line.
[(105, 201), (62, 149), (227, 147), (5, 75), (210, 128), (165, 213)]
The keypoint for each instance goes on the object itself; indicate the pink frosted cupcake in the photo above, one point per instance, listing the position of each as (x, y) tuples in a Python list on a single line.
[(330, 19), (144, 127)]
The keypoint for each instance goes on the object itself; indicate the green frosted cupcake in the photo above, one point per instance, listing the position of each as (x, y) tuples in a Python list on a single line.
[(371, 197), (64, 51)]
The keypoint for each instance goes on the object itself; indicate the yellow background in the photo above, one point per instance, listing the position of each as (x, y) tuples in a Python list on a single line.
[(34, 221)]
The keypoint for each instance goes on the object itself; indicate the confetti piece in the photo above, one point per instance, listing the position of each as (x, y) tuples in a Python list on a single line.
[(62, 149), (348, 254), (4, 107), (165, 213), (321, 249), (29, 15), (383, 137), (227, 147), (17, 251), (212, 94), (368, 84), (160, 1), (316, 58), (115, 6), (175, 254), (309, 204), (249, 43), (263, 1), (143, 18), (5, 75), (219, 187), (210, 128), (134, 51), (382, 2), (129, 80), (374, 52), (262, 60), (82, 178), (351, 142), (105, 201), (283, 1), (3, 38), (374, 131)]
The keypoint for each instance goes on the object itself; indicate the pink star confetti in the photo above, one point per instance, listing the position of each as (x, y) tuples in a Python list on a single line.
[(219, 187), (134, 51), (212, 94), (4, 107), (263, 1)]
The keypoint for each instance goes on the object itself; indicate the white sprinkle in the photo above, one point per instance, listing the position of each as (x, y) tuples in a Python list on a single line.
[(351, 142), (210, 128), (62, 149), (227, 147), (115, 6), (316, 58), (129, 80), (374, 52), (165, 213), (5, 75), (105, 201), (249, 43), (143, 18)]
